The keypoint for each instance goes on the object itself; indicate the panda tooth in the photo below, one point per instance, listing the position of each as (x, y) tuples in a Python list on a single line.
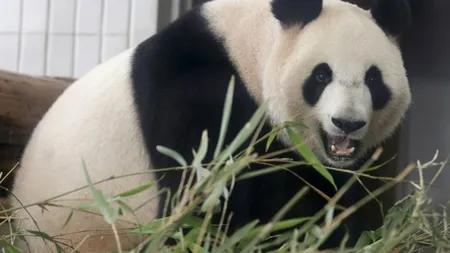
[(350, 151), (333, 148)]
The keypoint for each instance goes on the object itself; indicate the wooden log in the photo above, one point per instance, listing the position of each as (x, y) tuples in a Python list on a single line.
[(23, 101)]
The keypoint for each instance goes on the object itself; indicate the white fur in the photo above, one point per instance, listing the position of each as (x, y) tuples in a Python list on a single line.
[(95, 119), (345, 36), (345, 101)]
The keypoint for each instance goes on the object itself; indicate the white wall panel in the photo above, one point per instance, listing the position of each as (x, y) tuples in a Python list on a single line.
[(70, 37), (33, 53), (10, 16), (89, 20), (117, 17), (9, 48), (142, 21), (60, 55), (35, 16), (87, 53), (10, 28), (62, 16)]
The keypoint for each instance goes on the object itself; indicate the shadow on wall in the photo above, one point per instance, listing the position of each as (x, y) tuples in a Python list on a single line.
[(426, 49)]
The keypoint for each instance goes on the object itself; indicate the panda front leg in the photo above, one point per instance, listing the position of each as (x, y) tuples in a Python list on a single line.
[(86, 231)]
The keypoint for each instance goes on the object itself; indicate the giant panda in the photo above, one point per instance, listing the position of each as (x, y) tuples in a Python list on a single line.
[(327, 64)]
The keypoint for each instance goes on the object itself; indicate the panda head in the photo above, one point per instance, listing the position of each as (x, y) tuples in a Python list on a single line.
[(337, 69)]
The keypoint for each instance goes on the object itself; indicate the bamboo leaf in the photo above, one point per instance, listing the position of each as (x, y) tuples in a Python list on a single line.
[(308, 155), (135, 191), (236, 237), (109, 214), (173, 154), (68, 218), (225, 116)]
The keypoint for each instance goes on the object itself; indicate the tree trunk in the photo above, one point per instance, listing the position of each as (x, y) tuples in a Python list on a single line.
[(23, 101)]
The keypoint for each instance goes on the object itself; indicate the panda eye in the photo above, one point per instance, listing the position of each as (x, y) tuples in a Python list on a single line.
[(370, 79), (372, 76), (322, 77), (322, 74)]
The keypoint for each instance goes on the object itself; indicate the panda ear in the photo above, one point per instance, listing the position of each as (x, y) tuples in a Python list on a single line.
[(393, 16), (292, 12)]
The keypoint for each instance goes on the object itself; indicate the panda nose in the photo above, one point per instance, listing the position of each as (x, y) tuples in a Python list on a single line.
[(348, 126)]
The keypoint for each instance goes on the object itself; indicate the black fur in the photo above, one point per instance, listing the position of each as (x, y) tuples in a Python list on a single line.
[(379, 91), (180, 77), (393, 16), (293, 12), (315, 84)]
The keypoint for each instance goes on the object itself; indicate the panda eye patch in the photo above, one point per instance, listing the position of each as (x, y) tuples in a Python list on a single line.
[(316, 82), (379, 91)]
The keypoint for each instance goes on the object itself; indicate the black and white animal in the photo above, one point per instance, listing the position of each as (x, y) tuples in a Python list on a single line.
[(327, 64)]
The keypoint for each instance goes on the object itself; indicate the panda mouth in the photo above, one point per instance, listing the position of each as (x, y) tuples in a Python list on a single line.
[(340, 148)]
